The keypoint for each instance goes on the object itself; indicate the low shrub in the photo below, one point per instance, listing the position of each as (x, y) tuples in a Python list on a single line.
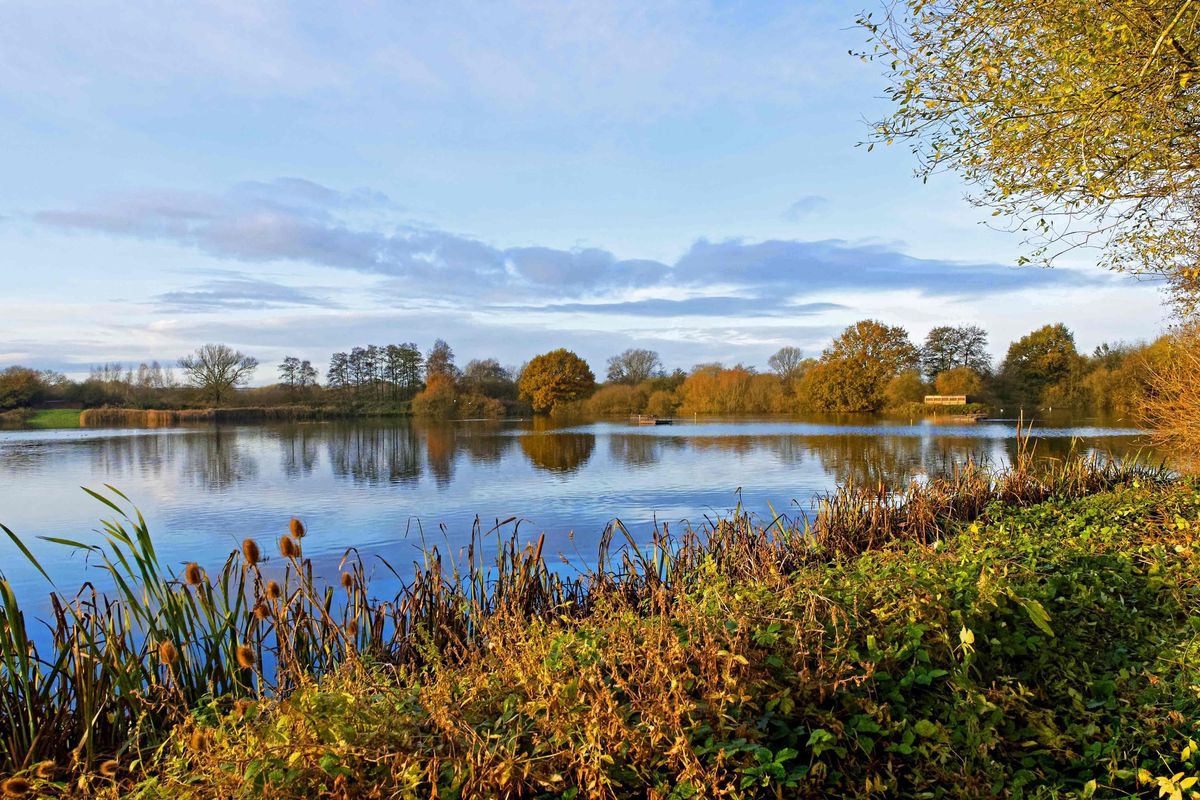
[(913, 410)]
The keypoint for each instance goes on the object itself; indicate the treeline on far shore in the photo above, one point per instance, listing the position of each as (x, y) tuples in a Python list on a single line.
[(870, 367)]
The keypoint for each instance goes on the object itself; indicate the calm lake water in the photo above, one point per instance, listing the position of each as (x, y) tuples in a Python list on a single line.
[(383, 486)]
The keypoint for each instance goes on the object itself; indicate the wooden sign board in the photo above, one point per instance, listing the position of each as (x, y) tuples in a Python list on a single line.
[(945, 399)]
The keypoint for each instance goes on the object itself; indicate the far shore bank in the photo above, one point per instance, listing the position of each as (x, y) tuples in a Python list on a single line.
[(108, 417), (118, 417)]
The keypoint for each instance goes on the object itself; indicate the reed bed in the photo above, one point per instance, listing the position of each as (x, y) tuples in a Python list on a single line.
[(125, 668), (109, 417)]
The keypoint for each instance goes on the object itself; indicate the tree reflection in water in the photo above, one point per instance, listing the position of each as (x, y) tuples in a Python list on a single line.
[(299, 446), (373, 453), (639, 450), (868, 460), (485, 442), (561, 453), (440, 440), (217, 460), (143, 452)]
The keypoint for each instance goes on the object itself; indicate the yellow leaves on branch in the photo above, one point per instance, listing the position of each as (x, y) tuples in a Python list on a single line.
[(1086, 111)]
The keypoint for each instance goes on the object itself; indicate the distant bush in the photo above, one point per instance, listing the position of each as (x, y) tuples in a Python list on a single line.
[(20, 386), (476, 406), (662, 404), (437, 400), (713, 389), (617, 399), (959, 380), (907, 387), (928, 410)]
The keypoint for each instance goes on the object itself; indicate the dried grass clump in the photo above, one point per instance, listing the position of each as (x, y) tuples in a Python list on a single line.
[(108, 417), (141, 417)]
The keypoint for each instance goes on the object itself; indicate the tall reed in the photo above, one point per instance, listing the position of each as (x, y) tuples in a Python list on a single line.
[(157, 418)]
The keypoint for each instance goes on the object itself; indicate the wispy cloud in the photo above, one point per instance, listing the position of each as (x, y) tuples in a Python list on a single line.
[(692, 306), (231, 293), (290, 219), (806, 205)]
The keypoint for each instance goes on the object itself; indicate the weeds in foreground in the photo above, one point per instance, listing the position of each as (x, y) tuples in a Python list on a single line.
[(127, 670)]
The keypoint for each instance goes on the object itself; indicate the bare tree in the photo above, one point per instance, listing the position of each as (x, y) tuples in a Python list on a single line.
[(634, 366), (787, 363), (216, 369)]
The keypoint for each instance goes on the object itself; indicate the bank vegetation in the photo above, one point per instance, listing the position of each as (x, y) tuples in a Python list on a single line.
[(978, 634)]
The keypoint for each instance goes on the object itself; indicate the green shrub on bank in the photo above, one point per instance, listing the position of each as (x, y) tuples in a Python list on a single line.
[(927, 410)]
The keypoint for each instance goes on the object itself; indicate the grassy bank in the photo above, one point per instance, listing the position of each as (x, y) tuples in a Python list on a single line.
[(1030, 634), (55, 418), (46, 418)]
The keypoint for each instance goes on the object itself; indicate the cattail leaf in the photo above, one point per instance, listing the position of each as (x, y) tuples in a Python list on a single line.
[(25, 552)]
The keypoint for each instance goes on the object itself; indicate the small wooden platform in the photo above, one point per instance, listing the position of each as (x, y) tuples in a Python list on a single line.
[(644, 420)]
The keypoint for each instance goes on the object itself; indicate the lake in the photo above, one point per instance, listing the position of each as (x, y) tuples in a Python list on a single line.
[(385, 486)]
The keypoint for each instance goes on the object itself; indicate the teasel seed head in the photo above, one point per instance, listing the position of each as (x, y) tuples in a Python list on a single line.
[(167, 652), (288, 547), (193, 574), (273, 590), (16, 787), (245, 656), (347, 581), (45, 769), (297, 528), (251, 552), (261, 612), (109, 768)]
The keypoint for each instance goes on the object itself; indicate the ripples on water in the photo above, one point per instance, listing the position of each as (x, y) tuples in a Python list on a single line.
[(384, 487)]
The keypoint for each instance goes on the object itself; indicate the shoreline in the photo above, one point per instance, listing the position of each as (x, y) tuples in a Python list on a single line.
[(113, 417)]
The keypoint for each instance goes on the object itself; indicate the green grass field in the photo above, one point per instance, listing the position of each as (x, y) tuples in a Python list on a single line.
[(55, 418)]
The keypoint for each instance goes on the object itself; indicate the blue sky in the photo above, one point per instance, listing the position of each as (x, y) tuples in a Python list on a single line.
[(299, 178)]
